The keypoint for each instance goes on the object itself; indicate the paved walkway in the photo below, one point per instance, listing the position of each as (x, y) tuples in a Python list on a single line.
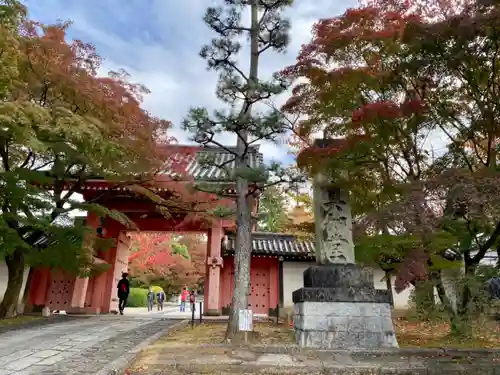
[(173, 312), (79, 345)]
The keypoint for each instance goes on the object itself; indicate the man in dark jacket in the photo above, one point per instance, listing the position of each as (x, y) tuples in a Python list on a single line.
[(123, 292)]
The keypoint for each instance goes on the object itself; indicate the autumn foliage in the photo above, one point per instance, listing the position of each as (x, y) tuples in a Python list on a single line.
[(64, 125), (151, 255), (191, 272), (139, 153), (167, 258), (383, 82)]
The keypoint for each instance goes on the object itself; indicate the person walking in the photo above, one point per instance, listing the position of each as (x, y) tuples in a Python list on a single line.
[(184, 297), (123, 292), (151, 298), (160, 298)]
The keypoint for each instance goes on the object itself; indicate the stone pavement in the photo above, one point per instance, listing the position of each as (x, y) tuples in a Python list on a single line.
[(78, 345)]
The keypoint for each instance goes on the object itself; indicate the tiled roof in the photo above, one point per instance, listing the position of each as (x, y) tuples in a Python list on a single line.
[(46, 241), (183, 161), (274, 244), (280, 244), (217, 156)]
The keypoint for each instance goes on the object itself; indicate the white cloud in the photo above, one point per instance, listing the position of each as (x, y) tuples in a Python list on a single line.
[(164, 55)]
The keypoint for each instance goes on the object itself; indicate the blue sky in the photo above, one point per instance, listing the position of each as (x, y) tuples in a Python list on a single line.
[(157, 42)]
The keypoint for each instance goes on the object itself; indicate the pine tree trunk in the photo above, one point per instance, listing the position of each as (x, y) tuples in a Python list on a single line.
[(242, 257), (243, 245), (15, 265)]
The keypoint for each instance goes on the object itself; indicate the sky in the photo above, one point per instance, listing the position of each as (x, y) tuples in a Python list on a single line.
[(158, 41)]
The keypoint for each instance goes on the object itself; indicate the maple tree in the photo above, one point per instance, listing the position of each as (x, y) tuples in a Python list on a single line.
[(197, 246), (242, 90), (170, 260), (153, 254), (382, 79), (189, 272), (63, 124)]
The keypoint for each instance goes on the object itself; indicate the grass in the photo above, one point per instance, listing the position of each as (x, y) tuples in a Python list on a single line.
[(19, 320)]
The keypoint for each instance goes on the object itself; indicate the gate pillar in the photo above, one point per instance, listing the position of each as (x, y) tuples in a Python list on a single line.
[(212, 305)]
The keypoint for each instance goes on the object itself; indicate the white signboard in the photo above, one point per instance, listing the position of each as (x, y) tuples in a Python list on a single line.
[(246, 320)]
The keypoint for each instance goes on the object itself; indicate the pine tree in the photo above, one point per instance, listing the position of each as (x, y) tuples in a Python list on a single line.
[(242, 92)]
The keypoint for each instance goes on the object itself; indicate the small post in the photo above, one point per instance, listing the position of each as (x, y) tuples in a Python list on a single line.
[(277, 314), (192, 315), (245, 322), (201, 313)]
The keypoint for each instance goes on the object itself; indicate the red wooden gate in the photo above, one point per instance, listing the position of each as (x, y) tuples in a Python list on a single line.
[(60, 290), (258, 300)]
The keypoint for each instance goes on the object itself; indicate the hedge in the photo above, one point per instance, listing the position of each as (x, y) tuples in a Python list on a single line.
[(138, 297)]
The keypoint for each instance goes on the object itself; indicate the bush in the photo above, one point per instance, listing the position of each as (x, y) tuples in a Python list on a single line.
[(138, 297), (157, 289)]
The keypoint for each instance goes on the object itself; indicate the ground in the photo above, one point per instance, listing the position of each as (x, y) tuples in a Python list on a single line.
[(409, 333), (104, 344), (76, 345), (200, 350), (266, 333), (412, 333)]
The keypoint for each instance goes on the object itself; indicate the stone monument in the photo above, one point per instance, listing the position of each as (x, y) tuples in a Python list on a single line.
[(339, 307)]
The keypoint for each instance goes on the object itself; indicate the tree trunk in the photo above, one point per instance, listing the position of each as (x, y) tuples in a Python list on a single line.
[(388, 284), (242, 257), (460, 322), (437, 281), (15, 266), (243, 243), (424, 298), (26, 292)]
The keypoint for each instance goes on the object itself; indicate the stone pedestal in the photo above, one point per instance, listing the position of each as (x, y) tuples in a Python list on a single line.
[(339, 308)]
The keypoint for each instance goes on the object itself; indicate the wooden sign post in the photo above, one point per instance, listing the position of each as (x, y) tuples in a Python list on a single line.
[(245, 322)]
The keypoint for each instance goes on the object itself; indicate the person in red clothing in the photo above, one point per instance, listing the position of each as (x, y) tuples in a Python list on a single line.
[(184, 297)]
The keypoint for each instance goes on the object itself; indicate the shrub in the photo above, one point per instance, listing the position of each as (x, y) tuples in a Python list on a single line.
[(157, 289), (137, 297)]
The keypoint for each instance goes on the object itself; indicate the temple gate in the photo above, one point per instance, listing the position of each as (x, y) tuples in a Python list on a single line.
[(97, 294)]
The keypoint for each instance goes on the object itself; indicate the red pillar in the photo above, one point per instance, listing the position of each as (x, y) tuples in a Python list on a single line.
[(103, 285), (213, 304), (119, 264)]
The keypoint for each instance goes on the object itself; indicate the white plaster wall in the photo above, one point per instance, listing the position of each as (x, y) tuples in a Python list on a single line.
[(401, 300), (4, 277), (293, 280)]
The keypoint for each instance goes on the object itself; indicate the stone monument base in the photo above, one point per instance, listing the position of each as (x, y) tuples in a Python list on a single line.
[(339, 308)]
